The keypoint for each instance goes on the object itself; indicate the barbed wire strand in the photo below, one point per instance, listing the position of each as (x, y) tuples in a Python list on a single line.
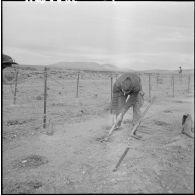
[(58, 82), (53, 79)]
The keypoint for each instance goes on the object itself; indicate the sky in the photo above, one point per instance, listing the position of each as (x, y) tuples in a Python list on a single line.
[(137, 35)]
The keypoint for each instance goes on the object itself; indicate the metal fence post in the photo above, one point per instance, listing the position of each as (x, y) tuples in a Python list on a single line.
[(15, 90), (45, 98), (77, 92)]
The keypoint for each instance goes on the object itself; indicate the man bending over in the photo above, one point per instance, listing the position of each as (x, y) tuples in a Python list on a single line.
[(127, 92)]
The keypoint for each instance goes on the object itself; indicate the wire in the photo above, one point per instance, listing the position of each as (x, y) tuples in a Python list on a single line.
[(58, 82)]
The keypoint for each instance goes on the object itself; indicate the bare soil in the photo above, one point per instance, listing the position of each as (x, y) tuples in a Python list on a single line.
[(69, 157)]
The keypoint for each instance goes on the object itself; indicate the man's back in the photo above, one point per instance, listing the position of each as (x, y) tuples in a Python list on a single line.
[(129, 82)]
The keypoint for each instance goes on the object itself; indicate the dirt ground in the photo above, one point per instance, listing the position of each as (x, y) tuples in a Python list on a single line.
[(67, 156)]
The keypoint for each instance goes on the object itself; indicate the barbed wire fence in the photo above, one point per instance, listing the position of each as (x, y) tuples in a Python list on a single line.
[(50, 96)]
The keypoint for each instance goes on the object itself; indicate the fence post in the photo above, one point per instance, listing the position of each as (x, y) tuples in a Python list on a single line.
[(180, 78), (45, 97), (15, 90), (157, 78), (111, 80), (149, 87), (189, 84), (77, 92), (173, 84)]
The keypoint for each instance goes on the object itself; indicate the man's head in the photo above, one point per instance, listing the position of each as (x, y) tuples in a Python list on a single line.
[(126, 84)]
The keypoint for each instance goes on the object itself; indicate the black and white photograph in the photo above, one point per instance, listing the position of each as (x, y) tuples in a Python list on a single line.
[(97, 97)]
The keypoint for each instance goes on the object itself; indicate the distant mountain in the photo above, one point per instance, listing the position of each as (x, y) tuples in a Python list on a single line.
[(109, 67), (93, 66), (87, 66)]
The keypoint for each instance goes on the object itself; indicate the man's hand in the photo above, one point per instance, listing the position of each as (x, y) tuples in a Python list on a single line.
[(126, 92)]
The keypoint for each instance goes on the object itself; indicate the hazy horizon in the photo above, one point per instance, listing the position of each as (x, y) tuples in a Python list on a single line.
[(134, 35)]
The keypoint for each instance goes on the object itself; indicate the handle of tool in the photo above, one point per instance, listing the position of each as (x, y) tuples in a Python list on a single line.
[(111, 130), (140, 120), (121, 158), (133, 130), (115, 124)]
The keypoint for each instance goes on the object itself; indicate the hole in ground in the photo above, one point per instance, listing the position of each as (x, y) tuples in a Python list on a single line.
[(102, 139), (31, 161)]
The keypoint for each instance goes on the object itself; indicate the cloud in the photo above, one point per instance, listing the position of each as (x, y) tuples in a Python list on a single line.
[(137, 34)]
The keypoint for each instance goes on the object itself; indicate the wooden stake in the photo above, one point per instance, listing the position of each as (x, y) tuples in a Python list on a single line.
[(45, 98), (111, 86), (180, 78), (15, 90), (189, 84), (149, 87), (111, 92), (157, 79), (173, 85)]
